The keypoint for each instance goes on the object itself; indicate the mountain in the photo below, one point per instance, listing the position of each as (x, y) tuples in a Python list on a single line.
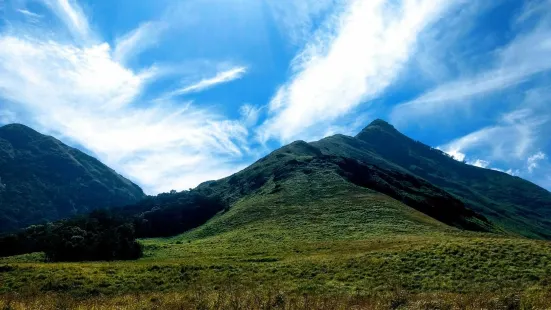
[(515, 204), (340, 216), (42, 179), (303, 165), (382, 159), (295, 187), (379, 182)]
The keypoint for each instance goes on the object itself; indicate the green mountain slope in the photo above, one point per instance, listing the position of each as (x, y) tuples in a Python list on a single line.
[(300, 165), (515, 204), (298, 221), (330, 218), (315, 203), (41, 179)]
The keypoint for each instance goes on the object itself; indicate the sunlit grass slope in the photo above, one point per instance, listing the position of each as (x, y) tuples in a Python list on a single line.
[(314, 234), (305, 230)]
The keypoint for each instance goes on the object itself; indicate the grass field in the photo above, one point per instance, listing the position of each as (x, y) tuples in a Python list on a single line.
[(288, 247)]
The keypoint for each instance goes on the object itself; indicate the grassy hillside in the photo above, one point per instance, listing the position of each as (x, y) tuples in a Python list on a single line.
[(294, 248), (306, 241), (300, 159), (327, 225), (516, 204), (42, 180)]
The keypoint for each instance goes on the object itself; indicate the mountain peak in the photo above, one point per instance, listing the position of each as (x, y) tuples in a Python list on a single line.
[(379, 122), (48, 180), (19, 134), (377, 126), (15, 126), (19, 129)]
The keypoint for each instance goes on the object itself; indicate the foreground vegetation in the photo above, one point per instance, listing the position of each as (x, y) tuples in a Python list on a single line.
[(302, 231), (407, 272), (111, 234), (233, 297), (289, 250)]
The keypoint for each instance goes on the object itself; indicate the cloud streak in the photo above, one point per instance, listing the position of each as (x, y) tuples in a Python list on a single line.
[(73, 17), (83, 92), (533, 161), (204, 84), (32, 17), (86, 96), (138, 40), (518, 62), (513, 137), (351, 59), (296, 18)]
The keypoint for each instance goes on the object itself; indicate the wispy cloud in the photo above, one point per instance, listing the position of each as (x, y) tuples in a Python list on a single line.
[(533, 161), (519, 61), (512, 138), (7, 117), (249, 114), (510, 77), (352, 58), (83, 92), (445, 47), (32, 17), (220, 78), (85, 95), (480, 163), (137, 41), (511, 145), (73, 16), (296, 19)]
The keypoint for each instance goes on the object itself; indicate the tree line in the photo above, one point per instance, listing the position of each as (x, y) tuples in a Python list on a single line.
[(110, 234)]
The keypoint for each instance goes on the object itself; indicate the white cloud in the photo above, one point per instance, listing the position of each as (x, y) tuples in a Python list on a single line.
[(138, 40), (85, 72), (513, 142), (7, 117), (84, 95), (531, 9), (533, 160), (512, 138), (352, 58), (296, 18), (513, 172), (220, 78), (73, 17), (519, 61), (455, 153), (31, 16), (249, 114), (458, 93), (82, 91), (445, 48), (480, 163)]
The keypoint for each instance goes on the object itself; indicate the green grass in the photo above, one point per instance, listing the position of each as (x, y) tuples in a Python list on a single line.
[(515, 204), (348, 244)]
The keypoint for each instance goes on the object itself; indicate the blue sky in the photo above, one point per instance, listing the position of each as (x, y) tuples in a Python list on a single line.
[(173, 93)]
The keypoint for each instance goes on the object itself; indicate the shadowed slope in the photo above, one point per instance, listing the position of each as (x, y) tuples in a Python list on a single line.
[(301, 177), (42, 180), (516, 204)]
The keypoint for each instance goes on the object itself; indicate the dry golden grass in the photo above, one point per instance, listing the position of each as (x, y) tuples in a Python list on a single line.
[(351, 249), (248, 298)]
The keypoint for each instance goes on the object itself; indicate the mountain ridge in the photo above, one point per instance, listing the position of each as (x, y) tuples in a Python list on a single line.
[(382, 159), (484, 190), (45, 180), (381, 147)]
